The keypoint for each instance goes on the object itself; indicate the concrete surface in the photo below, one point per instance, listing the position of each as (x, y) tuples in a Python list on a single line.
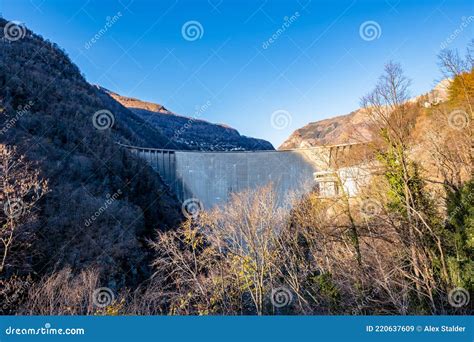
[(212, 177)]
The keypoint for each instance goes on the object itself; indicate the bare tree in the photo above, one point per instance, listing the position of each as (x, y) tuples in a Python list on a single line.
[(183, 270), (461, 73), (21, 187), (393, 119), (63, 293)]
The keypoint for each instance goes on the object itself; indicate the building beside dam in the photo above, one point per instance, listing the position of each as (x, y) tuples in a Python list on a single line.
[(211, 177)]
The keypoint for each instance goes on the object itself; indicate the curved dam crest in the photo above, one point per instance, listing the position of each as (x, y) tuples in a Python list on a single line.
[(212, 177)]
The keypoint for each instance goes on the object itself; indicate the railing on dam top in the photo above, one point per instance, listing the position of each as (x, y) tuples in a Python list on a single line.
[(161, 160), (330, 148)]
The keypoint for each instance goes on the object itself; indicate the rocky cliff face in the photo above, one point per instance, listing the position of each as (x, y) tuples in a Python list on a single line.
[(344, 129), (191, 133)]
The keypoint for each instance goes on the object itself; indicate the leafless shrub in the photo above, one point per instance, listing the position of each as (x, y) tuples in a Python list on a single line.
[(12, 293), (20, 188), (63, 293), (231, 259)]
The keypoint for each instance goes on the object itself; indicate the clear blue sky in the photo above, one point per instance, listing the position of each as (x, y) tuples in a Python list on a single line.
[(317, 68)]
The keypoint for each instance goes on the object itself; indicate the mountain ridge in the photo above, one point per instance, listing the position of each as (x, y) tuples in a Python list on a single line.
[(193, 133)]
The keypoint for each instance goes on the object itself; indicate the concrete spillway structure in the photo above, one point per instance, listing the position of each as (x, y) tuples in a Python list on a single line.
[(212, 177)]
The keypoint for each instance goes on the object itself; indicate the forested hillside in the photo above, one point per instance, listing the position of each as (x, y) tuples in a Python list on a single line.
[(48, 114)]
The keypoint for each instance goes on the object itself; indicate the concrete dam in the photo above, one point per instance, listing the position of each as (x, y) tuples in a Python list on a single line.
[(211, 177)]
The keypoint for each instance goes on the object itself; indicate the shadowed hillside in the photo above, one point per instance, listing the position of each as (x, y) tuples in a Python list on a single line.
[(102, 201)]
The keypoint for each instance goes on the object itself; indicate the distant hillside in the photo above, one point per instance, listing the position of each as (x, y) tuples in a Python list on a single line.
[(133, 103), (352, 127), (188, 132)]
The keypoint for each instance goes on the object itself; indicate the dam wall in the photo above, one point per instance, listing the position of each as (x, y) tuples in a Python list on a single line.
[(212, 177)]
